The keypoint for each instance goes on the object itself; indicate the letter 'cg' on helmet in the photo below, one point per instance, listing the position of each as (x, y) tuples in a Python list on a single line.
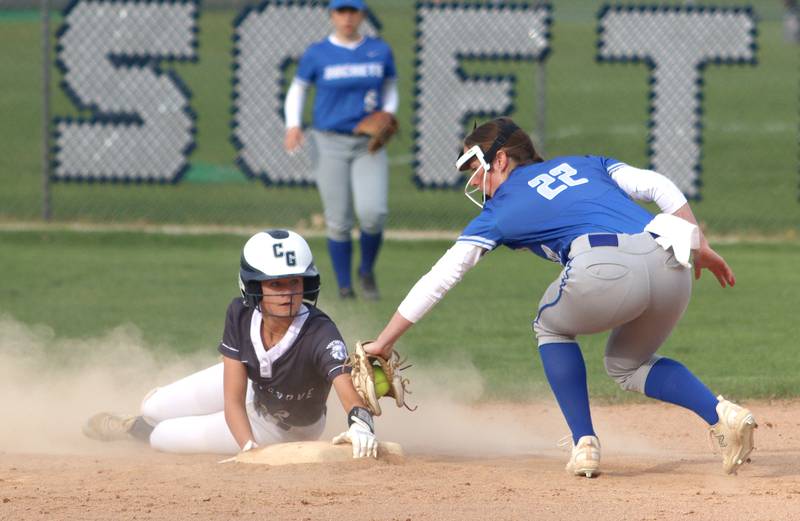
[(276, 254)]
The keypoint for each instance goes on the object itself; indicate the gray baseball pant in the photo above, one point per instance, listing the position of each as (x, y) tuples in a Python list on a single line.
[(636, 289), (350, 178)]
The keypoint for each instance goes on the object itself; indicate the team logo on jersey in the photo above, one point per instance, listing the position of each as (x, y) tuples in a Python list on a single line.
[(338, 350)]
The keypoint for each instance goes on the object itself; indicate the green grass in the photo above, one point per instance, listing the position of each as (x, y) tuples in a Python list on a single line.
[(174, 289), (750, 156)]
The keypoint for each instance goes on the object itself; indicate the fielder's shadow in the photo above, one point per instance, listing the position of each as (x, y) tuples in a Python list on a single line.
[(667, 467), (762, 466), (774, 465)]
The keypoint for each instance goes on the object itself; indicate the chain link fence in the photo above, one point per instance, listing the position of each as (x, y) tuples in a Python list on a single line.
[(170, 112)]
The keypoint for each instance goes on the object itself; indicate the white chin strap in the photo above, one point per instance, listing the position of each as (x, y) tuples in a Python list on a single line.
[(470, 191)]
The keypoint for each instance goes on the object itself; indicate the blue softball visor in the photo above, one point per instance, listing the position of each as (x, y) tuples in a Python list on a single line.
[(353, 4)]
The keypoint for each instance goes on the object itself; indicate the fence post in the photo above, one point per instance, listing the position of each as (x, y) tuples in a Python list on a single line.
[(541, 106), (45, 15)]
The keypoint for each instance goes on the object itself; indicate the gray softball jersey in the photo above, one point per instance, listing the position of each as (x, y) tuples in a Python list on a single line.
[(297, 383)]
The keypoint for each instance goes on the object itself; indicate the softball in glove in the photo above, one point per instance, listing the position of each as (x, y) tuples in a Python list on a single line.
[(363, 373)]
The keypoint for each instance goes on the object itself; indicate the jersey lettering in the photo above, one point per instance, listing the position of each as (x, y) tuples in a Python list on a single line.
[(353, 70), (370, 100), (305, 395), (562, 173), (281, 418)]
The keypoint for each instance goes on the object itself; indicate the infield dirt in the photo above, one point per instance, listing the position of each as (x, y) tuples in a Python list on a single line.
[(495, 461), (657, 464)]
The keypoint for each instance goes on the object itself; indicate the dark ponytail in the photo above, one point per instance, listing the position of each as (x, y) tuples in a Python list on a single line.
[(518, 146)]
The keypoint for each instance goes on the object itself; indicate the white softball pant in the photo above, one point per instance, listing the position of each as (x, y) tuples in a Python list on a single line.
[(350, 178), (189, 417), (636, 289)]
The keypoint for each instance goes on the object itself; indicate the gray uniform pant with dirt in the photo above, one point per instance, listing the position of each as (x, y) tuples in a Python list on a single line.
[(350, 178), (636, 289)]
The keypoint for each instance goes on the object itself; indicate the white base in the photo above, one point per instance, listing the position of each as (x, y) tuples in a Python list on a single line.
[(308, 452)]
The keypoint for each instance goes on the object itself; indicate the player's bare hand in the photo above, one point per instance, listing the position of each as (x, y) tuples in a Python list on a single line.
[(294, 139), (707, 258), (378, 348)]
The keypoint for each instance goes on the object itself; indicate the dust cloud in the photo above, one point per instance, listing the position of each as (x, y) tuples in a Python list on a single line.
[(49, 386), (449, 420)]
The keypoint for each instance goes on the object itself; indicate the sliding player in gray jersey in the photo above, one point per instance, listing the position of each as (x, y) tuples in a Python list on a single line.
[(281, 355)]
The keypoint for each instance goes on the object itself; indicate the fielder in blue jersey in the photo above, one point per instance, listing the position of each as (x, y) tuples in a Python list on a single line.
[(624, 271), (353, 76)]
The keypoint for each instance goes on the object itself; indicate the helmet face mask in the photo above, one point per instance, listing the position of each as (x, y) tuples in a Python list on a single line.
[(485, 159), (463, 163), (277, 254)]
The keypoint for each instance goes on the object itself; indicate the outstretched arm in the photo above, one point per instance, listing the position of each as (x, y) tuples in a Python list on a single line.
[(383, 345), (705, 256), (361, 427), (426, 293), (343, 384)]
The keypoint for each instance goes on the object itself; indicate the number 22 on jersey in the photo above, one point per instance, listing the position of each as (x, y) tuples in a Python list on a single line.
[(557, 180)]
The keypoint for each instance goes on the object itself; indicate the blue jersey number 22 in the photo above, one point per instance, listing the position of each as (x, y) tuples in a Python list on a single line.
[(562, 174)]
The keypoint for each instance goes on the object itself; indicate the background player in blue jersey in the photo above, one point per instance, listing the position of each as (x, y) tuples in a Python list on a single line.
[(281, 357), (353, 76), (624, 271)]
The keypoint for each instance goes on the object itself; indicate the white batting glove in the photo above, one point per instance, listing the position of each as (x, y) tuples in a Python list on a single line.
[(360, 434)]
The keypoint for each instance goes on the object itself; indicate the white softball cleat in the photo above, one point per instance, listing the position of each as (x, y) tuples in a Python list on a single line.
[(733, 434), (105, 426), (585, 459)]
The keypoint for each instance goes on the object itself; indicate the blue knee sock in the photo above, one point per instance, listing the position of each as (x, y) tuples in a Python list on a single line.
[(341, 253), (670, 381), (566, 371), (370, 245)]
